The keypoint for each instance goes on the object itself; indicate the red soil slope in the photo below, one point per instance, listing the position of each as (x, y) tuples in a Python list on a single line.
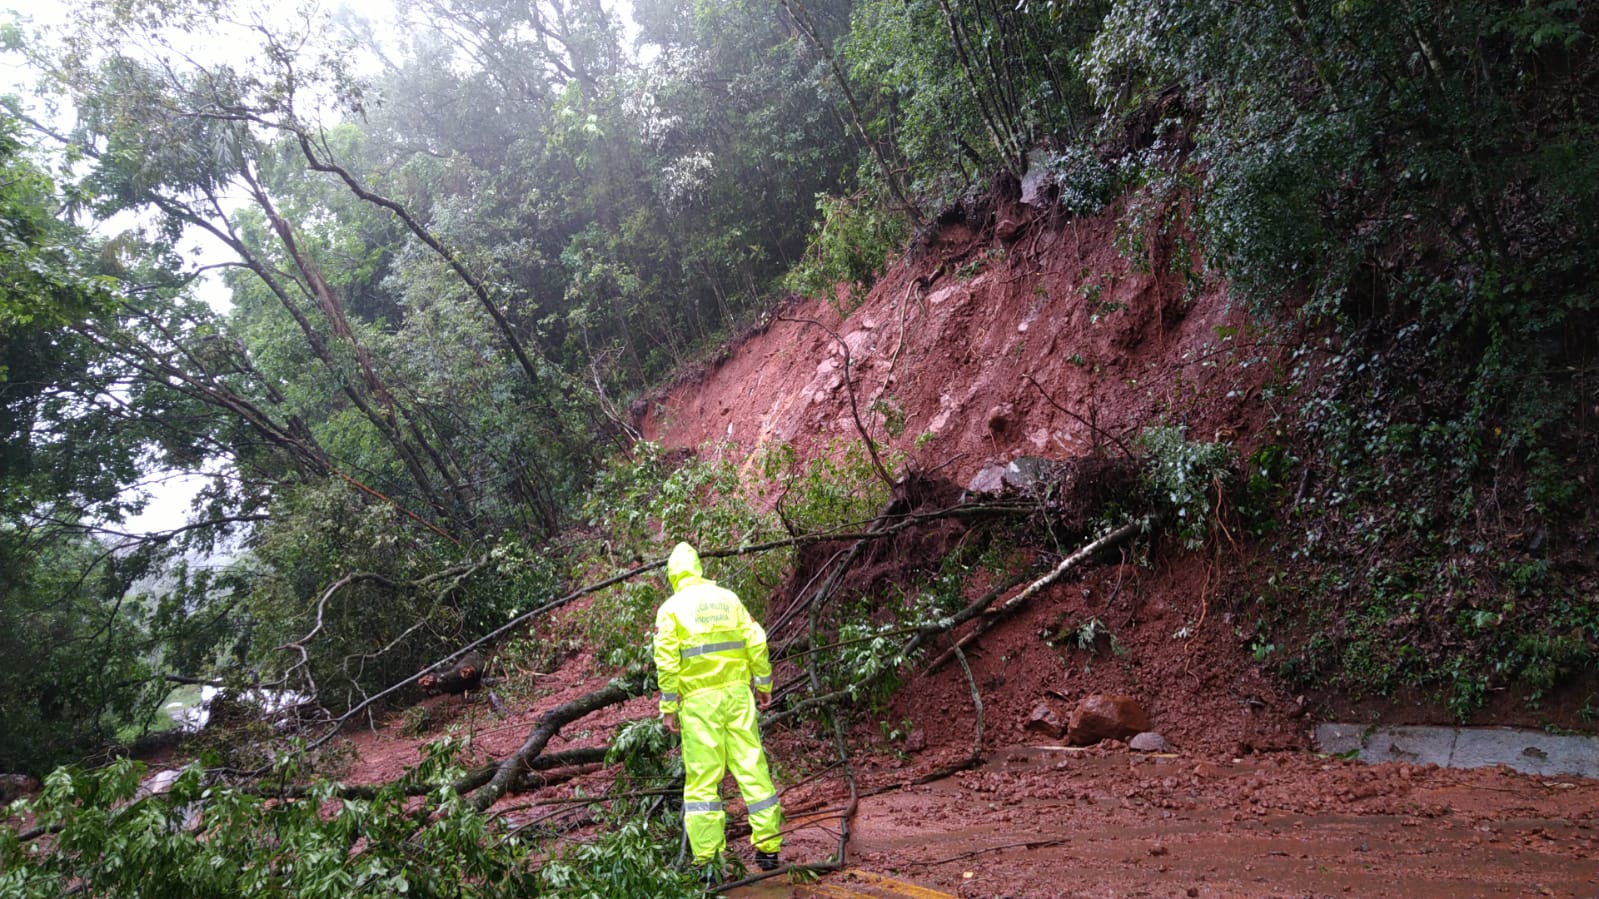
[(1053, 344)]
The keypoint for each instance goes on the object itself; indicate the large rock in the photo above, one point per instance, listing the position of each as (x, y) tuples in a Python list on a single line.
[(990, 480), (1101, 716), (1025, 474)]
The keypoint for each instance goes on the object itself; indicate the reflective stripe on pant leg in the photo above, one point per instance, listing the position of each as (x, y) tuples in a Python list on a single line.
[(704, 762), (747, 759)]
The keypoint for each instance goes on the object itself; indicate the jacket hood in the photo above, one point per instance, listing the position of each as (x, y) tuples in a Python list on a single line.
[(682, 564)]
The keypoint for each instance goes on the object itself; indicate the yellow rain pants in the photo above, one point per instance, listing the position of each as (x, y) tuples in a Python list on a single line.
[(720, 733)]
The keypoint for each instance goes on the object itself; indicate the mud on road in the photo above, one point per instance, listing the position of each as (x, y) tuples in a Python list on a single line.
[(1044, 821)]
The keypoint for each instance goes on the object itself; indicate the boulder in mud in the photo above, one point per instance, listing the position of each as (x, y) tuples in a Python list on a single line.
[(1023, 475), (1102, 716), (990, 480)]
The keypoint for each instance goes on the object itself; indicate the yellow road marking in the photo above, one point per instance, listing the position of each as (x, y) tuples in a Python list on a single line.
[(884, 887)]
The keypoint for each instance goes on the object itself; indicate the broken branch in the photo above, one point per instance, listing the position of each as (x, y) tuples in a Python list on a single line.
[(1016, 602), (549, 724)]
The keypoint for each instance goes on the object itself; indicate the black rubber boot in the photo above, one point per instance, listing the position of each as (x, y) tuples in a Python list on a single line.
[(766, 861)]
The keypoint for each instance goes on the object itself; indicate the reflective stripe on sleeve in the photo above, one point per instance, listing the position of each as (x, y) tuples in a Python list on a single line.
[(763, 681), (669, 697), (690, 808), (711, 647), (763, 805)]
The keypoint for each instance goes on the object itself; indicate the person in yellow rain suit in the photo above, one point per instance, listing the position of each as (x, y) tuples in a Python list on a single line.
[(709, 652)]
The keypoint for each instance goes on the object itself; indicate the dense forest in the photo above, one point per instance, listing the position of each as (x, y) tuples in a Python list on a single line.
[(459, 243)]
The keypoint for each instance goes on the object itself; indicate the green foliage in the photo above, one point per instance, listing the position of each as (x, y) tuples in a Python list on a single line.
[(702, 502), (1544, 661), (849, 246), (51, 369), (1086, 635), (384, 601), (631, 860), (204, 839), (417, 721), (43, 278), (1335, 139), (697, 500), (838, 489), (620, 623), (866, 658), (1181, 478), (893, 415), (708, 503), (75, 659), (644, 749), (114, 841), (1376, 632), (1266, 476), (956, 91), (1084, 182)]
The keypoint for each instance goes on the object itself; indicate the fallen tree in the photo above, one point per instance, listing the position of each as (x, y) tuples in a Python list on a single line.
[(847, 566)]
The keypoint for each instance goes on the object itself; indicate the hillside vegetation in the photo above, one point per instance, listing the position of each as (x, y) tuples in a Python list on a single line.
[(1296, 300)]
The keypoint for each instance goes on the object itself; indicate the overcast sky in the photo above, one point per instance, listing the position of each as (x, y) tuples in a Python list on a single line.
[(170, 492)]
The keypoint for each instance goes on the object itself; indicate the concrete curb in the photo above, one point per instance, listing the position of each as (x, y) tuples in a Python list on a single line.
[(1527, 751)]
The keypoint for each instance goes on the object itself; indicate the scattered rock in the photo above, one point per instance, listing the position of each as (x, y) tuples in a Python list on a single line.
[(1036, 183), (1025, 474), (156, 784), (988, 480), (1044, 720), (1101, 716), (1030, 473), (917, 741), (16, 786), (1149, 741)]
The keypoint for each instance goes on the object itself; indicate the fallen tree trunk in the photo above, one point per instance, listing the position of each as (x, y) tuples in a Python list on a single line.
[(901, 523), (569, 758), (549, 724)]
